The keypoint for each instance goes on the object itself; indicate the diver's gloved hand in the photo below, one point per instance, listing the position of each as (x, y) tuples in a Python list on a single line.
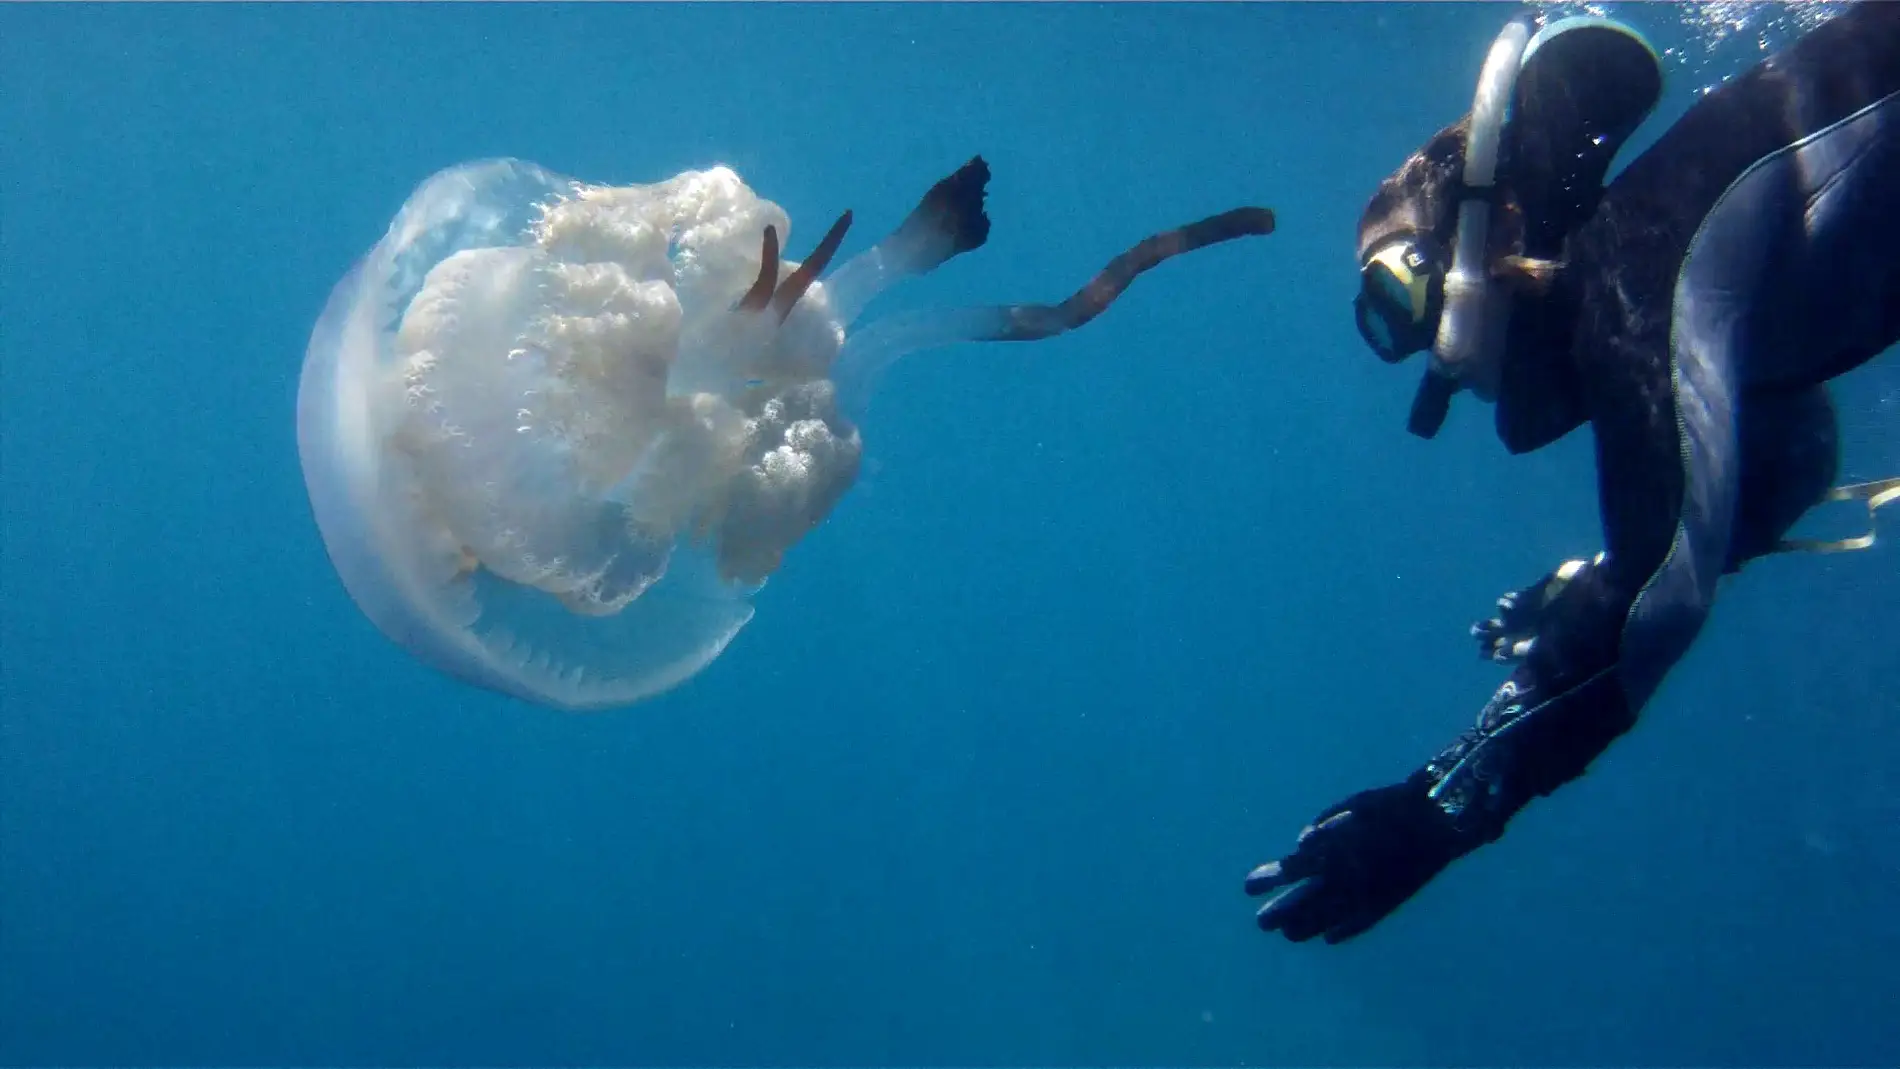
[(1357, 862), (1508, 637)]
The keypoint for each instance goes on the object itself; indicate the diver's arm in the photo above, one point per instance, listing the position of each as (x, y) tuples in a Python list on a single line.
[(1564, 704), (1561, 708)]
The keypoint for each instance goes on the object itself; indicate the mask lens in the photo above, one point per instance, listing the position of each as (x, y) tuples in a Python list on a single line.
[(1383, 286), (1376, 330), (1386, 304)]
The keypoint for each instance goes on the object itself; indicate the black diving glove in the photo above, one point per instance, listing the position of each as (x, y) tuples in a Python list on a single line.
[(1357, 862)]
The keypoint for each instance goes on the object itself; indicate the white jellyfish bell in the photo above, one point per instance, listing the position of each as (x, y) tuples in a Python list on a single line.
[(557, 434)]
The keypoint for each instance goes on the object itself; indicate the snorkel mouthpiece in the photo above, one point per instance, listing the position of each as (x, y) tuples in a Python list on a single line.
[(1431, 404)]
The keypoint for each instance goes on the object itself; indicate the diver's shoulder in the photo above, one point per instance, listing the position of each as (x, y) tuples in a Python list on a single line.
[(1845, 64)]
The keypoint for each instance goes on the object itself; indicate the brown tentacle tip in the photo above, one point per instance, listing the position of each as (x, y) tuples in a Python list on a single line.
[(1032, 322), (756, 298), (800, 280), (951, 212)]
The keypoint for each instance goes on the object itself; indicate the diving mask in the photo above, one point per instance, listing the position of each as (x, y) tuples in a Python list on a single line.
[(1401, 295)]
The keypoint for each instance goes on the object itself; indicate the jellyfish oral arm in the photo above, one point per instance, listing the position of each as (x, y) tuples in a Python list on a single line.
[(947, 222)]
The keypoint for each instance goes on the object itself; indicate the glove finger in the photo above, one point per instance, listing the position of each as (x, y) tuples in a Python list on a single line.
[(1266, 877), (1519, 608), (1284, 911), (1312, 913), (1332, 820), (1303, 862), (1511, 648), (1273, 875)]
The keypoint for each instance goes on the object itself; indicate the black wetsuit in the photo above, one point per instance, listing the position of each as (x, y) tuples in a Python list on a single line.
[(1707, 295)]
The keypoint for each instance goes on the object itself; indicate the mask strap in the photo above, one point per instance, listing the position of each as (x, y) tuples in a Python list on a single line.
[(1875, 495)]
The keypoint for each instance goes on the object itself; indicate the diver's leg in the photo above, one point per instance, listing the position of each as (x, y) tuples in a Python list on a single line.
[(1790, 456), (1807, 241)]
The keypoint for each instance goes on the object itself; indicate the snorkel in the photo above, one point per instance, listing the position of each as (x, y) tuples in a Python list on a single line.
[(1473, 319)]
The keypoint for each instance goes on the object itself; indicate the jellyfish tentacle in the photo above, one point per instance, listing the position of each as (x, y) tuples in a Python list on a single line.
[(760, 294), (870, 351), (800, 280), (947, 222), (1034, 322)]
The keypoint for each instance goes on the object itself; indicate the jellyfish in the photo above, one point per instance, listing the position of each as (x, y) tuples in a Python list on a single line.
[(557, 435)]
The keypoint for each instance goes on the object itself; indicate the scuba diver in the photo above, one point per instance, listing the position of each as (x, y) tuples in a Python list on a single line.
[(1691, 312)]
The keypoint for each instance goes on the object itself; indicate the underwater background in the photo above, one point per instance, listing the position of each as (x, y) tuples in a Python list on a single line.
[(1107, 620)]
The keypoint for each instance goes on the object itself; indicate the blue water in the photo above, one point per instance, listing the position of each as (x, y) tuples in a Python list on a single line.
[(1108, 620)]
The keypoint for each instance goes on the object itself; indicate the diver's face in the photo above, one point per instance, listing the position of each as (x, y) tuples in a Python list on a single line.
[(1401, 293)]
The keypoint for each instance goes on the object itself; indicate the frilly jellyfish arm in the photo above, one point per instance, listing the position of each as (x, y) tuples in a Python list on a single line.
[(557, 434)]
